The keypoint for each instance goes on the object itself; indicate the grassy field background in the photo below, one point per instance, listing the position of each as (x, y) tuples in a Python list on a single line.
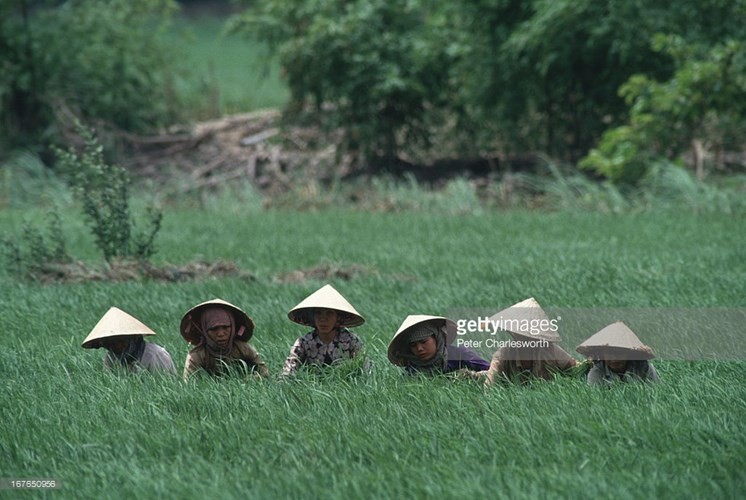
[(386, 435), (221, 73)]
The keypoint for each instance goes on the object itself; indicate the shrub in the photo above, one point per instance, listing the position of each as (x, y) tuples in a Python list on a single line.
[(700, 106), (36, 250), (103, 190), (100, 60), (379, 65)]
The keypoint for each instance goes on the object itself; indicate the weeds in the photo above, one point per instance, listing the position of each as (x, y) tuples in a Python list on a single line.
[(103, 190), (36, 249)]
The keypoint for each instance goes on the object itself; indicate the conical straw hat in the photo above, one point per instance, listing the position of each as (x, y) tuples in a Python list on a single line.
[(192, 332), (616, 341), (527, 319), (115, 323), (326, 297), (399, 343)]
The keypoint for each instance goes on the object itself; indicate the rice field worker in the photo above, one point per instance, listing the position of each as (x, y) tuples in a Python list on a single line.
[(330, 341), (618, 356), (122, 335), (220, 333), (533, 351), (424, 344)]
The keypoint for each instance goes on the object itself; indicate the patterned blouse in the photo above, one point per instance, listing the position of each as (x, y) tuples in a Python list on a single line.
[(311, 350)]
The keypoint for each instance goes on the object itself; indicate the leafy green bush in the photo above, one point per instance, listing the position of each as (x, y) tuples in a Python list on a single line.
[(702, 105), (381, 65), (35, 249), (622, 156), (103, 190), (99, 60), (509, 75)]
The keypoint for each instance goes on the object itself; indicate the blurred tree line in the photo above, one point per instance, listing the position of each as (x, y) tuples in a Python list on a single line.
[(617, 84), (100, 61), (612, 86)]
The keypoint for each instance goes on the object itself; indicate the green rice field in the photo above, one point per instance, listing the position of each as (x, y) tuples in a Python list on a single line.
[(384, 435)]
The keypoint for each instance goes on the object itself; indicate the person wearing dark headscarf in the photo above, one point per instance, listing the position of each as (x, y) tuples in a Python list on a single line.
[(423, 344), (122, 335), (330, 342), (220, 333), (533, 351), (618, 355)]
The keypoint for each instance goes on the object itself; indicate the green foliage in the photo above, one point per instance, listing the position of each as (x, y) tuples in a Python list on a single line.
[(100, 60), (380, 64), (26, 182), (103, 190), (621, 156), (36, 250), (704, 100), (542, 75)]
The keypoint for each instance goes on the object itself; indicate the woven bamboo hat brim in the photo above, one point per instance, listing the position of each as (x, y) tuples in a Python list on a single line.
[(527, 319), (115, 323), (192, 333), (616, 341), (400, 344), (326, 297)]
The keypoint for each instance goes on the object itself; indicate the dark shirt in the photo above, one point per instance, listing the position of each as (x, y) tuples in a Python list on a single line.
[(461, 357), (457, 358)]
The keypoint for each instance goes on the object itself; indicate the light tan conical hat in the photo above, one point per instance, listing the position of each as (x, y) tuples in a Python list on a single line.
[(326, 297), (616, 341), (400, 344), (115, 323), (192, 330), (527, 319)]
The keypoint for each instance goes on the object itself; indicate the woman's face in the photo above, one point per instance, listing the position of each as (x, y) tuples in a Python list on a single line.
[(326, 320), (617, 365), (424, 349), (118, 345), (220, 334)]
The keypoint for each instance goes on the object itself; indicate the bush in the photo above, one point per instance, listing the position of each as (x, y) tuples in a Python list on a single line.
[(703, 105), (36, 250), (99, 60), (382, 65), (103, 190)]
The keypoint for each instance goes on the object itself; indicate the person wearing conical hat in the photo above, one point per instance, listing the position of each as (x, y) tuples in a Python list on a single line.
[(122, 335), (331, 341), (533, 351), (424, 344), (220, 333), (618, 355)]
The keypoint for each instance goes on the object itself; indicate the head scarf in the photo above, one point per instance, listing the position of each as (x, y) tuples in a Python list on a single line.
[(421, 332), (133, 352), (218, 316)]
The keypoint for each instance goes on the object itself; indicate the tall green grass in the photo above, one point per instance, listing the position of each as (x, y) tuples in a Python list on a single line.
[(107, 434), (221, 74)]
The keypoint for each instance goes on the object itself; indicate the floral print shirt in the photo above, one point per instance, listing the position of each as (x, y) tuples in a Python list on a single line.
[(310, 349)]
